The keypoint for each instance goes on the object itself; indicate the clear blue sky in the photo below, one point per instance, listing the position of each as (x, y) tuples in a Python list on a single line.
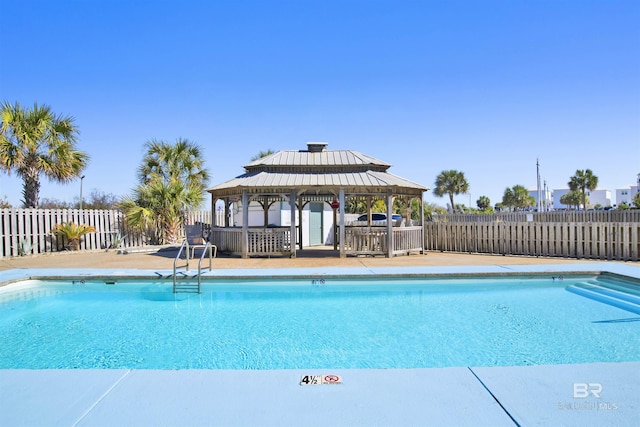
[(484, 87)]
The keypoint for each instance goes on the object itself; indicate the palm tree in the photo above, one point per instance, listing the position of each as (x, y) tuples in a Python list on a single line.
[(172, 179), (37, 142), (355, 205), (262, 154), (582, 181), (517, 197), (483, 203), (72, 232), (451, 182), (572, 198)]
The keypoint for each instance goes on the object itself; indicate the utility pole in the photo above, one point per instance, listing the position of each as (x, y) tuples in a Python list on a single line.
[(538, 186), (81, 178)]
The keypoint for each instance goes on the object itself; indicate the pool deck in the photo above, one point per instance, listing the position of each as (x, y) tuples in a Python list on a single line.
[(582, 394)]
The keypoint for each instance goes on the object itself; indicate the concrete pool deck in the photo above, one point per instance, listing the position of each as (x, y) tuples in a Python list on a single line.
[(582, 394)]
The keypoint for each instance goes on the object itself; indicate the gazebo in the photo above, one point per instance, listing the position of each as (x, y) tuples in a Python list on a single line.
[(318, 177)]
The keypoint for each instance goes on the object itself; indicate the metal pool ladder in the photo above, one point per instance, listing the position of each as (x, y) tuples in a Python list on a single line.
[(186, 286)]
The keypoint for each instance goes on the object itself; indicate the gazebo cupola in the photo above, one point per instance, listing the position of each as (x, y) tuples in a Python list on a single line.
[(316, 147)]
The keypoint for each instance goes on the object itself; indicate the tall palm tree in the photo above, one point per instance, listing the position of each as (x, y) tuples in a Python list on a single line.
[(582, 181), (37, 142), (451, 182), (172, 178)]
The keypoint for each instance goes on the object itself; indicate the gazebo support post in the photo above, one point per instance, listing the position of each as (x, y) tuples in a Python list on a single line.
[(300, 208), (292, 208), (227, 212), (265, 211), (422, 221), (342, 230), (213, 212), (389, 224), (245, 224), (335, 231)]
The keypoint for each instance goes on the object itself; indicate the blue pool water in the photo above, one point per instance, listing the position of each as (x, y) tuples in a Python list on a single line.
[(331, 323)]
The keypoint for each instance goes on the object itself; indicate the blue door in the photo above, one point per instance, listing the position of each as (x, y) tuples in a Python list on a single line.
[(315, 224)]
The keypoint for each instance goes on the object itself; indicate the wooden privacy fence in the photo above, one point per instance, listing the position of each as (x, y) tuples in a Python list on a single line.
[(603, 240), (631, 215), (31, 229)]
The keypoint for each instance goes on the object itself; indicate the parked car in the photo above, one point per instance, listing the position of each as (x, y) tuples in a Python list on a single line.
[(376, 219)]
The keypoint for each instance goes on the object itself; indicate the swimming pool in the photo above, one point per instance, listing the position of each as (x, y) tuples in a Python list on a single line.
[(320, 323)]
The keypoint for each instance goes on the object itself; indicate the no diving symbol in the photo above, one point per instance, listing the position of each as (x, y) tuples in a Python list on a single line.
[(332, 379)]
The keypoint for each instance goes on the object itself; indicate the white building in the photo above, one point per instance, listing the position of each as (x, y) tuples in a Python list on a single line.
[(626, 195), (594, 198), (547, 197)]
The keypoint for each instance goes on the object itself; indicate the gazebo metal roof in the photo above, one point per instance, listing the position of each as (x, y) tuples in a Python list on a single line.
[(317, 171)]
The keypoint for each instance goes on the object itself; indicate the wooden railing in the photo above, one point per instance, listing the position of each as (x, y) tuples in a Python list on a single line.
[(407, 240), (604, 241), (365, 240), (227, 240), (261, 241), (270, 241), (373, 240)]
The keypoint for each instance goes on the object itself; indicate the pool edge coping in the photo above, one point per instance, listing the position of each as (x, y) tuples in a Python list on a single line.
[(526, 395), (15, 275)]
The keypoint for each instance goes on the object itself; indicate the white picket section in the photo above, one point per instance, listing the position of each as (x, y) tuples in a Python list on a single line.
[(35, 225)]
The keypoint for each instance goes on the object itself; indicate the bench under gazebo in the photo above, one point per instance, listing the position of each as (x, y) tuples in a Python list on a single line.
[(291, 187)]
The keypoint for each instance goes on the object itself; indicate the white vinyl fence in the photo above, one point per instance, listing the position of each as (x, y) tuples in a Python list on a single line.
[(28, 231)]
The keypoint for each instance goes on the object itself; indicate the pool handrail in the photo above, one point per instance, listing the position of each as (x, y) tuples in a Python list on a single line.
[(185, 244), (208, 246)]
